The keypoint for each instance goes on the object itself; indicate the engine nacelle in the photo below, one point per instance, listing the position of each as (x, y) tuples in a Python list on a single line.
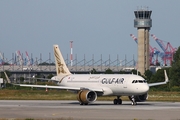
[(140, 98), (86, 96)]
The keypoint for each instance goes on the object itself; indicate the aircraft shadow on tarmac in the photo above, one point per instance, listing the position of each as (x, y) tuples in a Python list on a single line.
[(99, 104)]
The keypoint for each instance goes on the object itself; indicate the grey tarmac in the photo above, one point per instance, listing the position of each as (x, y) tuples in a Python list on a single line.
[(99, 110)]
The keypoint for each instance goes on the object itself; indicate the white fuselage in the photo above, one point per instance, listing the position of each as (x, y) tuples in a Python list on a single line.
[(126, 84)]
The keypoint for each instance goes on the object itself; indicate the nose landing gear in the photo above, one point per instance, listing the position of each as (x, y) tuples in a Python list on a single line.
[(133, 100)]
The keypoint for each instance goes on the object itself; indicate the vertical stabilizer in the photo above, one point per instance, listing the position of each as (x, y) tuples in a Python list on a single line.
[(61, 68)]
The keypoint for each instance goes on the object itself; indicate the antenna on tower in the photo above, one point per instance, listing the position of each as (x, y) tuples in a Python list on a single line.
[(71, 56)]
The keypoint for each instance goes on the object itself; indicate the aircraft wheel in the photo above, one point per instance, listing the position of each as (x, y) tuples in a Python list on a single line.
[(85, 103), (81, 103), (119, 101), (115, 101), (134, 103)]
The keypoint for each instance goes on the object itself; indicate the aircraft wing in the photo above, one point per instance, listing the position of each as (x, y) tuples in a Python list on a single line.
[(43, 79), (160, 83), (62, 87)]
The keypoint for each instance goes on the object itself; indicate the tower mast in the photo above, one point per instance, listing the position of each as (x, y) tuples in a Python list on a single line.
[(71, 56), (143, 23)]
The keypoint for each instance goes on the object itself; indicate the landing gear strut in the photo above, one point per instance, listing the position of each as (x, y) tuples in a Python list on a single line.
[(117, 101), (133, 100)]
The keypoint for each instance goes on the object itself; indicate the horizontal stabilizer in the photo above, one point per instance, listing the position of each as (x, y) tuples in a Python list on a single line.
[(43, 79)]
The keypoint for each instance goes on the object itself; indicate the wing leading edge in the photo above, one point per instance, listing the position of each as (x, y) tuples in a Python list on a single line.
[(62, 87), (160, 83)]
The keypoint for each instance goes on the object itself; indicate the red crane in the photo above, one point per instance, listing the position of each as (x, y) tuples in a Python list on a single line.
[(2, 59), (168, 50), (29, 61), (18, 53)]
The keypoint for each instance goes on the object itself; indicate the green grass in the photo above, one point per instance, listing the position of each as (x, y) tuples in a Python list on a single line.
[(36, 95), (164, 96), (29, 94)]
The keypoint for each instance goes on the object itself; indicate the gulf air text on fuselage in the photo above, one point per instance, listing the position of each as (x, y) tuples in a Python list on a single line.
[(112, 80)]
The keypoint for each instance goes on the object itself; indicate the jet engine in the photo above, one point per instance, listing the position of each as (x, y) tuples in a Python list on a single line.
[(139, 98), (86, 96)]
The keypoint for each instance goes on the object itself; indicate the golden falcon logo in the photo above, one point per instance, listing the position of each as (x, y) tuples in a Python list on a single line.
[(60, 66)]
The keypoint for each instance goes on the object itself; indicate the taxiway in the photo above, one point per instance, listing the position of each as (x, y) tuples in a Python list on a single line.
[(100, 110)]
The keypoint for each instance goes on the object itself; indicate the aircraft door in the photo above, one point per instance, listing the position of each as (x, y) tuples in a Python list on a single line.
[(125, 83)]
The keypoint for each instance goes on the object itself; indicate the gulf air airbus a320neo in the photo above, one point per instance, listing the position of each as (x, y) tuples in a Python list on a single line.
[(90, 86)]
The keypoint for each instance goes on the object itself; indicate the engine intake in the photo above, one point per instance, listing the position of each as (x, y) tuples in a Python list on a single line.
[(86, 96)]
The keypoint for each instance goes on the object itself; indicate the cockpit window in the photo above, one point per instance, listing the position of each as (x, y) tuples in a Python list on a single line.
[(139, 81)]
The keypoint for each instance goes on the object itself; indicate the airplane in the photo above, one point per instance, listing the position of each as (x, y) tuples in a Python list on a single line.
[(90, 86)]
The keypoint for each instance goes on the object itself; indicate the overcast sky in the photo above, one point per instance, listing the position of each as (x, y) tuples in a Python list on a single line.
[(95, 26)]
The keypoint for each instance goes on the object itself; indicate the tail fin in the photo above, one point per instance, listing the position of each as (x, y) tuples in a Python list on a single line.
[(61, 68), (8, 80)]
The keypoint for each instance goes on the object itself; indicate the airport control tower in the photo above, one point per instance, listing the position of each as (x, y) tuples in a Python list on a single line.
[(143, 23)]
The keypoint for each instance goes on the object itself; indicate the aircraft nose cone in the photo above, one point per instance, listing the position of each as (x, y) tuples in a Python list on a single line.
[(146, 88)]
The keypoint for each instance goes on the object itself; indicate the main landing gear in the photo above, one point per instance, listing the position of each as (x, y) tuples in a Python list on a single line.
[(83, 103), (117, 101)]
